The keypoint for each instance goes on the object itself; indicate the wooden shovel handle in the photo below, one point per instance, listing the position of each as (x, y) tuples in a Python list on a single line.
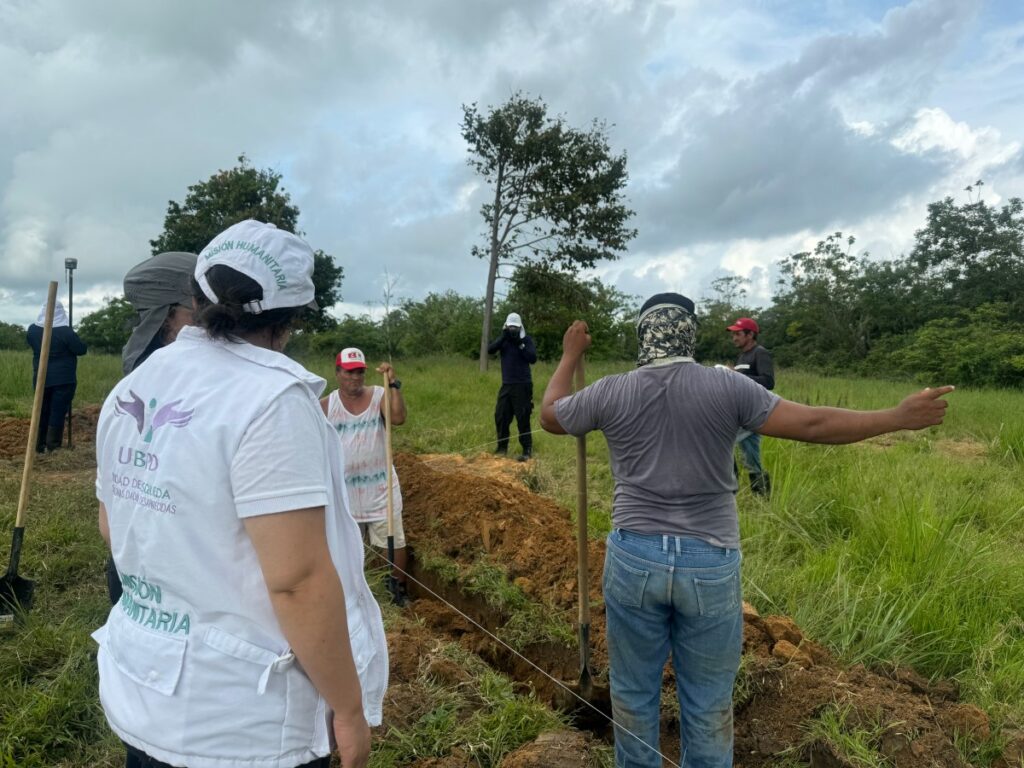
[(581, 514), (37, 404), (387, 454)]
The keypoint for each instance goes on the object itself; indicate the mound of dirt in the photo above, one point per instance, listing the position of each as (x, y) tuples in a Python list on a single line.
[(787, 679), (464, 514), (14, 432)]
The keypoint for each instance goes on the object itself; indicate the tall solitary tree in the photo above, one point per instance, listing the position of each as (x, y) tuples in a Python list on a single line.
[(557, 192), (234, 195)]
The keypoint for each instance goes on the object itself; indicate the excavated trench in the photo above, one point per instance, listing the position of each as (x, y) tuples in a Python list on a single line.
[(551, 670), (466, 511)]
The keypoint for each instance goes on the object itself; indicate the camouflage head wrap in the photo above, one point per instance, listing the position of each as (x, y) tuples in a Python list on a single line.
[(666, 328)]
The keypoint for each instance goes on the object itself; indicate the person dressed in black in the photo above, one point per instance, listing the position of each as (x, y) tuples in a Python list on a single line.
[(515, 398), (61, 375), (754, 362)]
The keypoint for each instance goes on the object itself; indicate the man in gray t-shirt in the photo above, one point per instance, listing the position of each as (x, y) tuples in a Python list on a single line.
[(674, 427), (671, 574)]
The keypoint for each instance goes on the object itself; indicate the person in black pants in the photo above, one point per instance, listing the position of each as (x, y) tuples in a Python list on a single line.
[(61, 375), (515, 398)]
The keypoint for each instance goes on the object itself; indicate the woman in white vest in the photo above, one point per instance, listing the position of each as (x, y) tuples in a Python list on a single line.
[(246, 634)]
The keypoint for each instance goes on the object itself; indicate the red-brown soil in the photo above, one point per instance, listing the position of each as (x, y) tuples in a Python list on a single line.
[(14, 431), (466, 513)]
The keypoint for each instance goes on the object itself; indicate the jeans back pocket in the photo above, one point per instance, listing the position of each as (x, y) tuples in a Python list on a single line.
[(624, 583), (718, 597)]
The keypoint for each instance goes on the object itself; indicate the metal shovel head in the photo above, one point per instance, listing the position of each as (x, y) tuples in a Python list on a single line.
[(15, 598)]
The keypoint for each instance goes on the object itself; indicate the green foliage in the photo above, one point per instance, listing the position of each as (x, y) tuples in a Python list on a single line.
[(442, 323), (483, 719), (716, 313), (12, 336), (362, 332), (819, 306), (557, 191), (97, 373), (976, 345), (549, 300), (837, 311), (226, 198), (972, 254), (107, 329), (327, 277), (853, 738), (234, 195)]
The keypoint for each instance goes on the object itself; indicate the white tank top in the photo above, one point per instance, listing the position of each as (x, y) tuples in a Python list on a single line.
[(363, 441)]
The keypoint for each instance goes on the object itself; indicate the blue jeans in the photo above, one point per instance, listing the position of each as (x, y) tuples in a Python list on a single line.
[(667, 593), (750, 450)]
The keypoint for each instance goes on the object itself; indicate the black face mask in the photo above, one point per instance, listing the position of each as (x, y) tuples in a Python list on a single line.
[(512, 334)]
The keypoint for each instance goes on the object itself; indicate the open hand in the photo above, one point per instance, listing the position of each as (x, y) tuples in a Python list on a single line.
[(924, 409)]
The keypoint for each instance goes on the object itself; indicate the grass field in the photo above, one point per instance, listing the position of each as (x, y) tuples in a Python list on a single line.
[(908, 549)]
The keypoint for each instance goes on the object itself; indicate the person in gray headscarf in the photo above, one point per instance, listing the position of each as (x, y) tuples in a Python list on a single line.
[(159, 290), (672, 561), (61, 374)]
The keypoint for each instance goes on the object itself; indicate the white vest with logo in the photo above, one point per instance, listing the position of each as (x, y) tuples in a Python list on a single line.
[(194, 668)]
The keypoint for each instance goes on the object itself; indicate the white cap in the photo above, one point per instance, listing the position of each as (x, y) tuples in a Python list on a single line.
[(282, 264), (350, 359), (513, 321)]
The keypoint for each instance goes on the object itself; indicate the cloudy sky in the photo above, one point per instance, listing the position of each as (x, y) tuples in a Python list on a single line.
[(752, 127)]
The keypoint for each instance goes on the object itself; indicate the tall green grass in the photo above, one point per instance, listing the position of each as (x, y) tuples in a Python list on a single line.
[(97, 374), (907, 549)]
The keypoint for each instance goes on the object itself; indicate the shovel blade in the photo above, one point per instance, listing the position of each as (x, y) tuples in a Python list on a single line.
[(15, 598)]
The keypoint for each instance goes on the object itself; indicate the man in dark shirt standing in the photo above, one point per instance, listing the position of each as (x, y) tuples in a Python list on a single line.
[(515, 398), (61, 375), (755, 362)]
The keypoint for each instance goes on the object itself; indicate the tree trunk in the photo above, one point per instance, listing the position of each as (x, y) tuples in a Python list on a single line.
[(492, 271)]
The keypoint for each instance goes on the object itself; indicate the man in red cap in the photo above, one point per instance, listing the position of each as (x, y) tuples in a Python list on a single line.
[(356, 411), (755, 362)]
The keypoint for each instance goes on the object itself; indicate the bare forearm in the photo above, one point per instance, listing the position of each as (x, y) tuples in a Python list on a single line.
[(558, 387), (104, 525), (839, 425), (313, 619), (398, 412), (830, 425)]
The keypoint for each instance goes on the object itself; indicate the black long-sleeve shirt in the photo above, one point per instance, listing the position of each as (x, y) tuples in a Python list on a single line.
[(758, 365), (517, 355), (65, 348)]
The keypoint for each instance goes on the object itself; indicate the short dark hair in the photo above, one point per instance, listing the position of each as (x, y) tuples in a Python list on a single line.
[(226, 319)]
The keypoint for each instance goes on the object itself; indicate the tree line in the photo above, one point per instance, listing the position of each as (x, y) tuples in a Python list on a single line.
[(948, 310)]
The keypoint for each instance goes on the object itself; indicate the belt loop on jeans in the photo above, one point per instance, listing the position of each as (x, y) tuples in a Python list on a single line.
[(679, 545), (664, 542)]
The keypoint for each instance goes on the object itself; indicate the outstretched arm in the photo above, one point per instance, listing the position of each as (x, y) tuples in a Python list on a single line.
[(808, 424), (574, 343)]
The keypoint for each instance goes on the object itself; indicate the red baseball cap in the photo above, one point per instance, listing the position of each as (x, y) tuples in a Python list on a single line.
[(744, 324), (350, 359)]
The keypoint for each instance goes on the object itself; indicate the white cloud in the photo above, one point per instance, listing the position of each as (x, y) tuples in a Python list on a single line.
[(748, 131)]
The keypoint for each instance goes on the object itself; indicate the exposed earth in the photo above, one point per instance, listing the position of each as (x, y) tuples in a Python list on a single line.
[(466, 509), (480, 509), (14, 431)]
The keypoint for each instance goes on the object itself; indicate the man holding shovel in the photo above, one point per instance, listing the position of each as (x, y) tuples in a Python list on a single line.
[(672, 566), (357, 413)]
